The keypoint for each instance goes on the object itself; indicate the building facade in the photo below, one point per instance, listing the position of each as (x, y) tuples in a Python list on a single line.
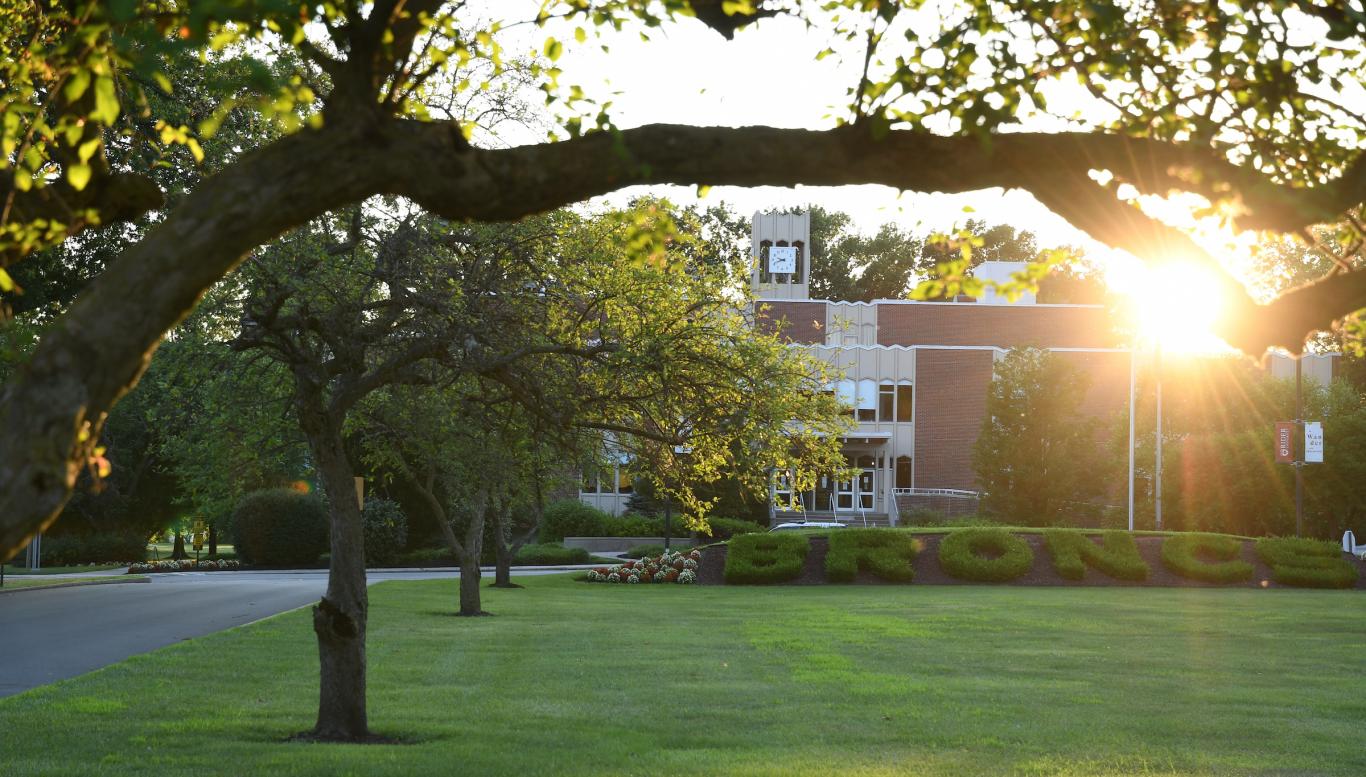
[(916, 377)]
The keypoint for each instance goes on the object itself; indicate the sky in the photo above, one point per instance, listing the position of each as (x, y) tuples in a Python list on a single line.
[(768, 75)]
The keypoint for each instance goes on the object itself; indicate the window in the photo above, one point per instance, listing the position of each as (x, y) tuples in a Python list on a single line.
[(867, 400), (905, 402), (623, 481), (903, 472), (590, 481), (845, 392), (801, 249), (764, 275), (886, 399)]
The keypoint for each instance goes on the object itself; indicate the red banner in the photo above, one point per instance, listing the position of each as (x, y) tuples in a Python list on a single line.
[(1285, 442)]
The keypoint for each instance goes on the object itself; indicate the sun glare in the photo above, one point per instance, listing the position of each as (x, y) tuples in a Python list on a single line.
[(1175, 307)]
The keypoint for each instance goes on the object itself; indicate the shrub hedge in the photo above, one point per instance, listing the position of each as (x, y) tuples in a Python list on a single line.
[(80, 549), (547, 554), (1117, 556), (280, 527), (1306, 563), (386, 531), (766, 558), (645, 551), (725, 528), (572, 518), (1213, 558), (985, 555), (884, 553)]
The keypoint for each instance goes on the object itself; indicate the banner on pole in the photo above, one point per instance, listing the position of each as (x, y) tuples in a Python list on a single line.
[(1285, 442), (1313, 442)]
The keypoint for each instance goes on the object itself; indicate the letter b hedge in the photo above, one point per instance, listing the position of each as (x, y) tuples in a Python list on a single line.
[(765, 558)]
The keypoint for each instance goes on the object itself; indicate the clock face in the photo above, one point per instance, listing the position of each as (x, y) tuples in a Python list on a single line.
[(782, 259)]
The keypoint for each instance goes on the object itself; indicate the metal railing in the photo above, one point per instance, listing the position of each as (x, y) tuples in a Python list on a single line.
[(953, 493)]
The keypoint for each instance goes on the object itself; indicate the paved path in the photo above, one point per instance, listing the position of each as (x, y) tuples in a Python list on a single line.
[(54, 634)]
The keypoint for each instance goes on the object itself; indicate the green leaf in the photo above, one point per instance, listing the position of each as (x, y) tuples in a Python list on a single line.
[(106, 101), (76, 85), (6, 282), (553, 49), (78, 175)]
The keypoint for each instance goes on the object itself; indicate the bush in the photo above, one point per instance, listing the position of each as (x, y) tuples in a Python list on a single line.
[(985, 555), (725, 528), (924, 516), (645, 551), (766, 558), (549, 554), (680, 568), (572, 518), (386, 532), (1117, 557), (1212, 558), (280, 527), (1306, 563), (81, 549), (885, 553)]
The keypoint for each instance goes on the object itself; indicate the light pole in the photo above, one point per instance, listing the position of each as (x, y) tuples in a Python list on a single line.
[(1132, 381), (1157, 476), (1299, 445)]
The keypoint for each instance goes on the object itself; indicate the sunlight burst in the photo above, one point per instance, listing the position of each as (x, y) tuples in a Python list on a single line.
[(1175, 306)]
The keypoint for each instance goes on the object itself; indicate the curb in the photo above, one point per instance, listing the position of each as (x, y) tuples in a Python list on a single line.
[(71, 584)]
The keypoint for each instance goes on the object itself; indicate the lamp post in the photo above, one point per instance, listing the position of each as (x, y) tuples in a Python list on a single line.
[(1299, 445), (1157, 475), (1132, 381)]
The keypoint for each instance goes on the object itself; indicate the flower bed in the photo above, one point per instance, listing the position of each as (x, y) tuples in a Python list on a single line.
[(678, 568), (186, 565)]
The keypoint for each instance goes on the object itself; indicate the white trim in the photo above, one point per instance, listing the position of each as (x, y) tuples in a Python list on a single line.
[(1024, 306), (997, 348)]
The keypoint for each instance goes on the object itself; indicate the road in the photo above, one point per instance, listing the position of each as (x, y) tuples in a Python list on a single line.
[(53, 634)]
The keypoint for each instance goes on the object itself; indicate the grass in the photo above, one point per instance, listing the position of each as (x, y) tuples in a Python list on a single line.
[(9, 570), (746, 681), (36, 581)]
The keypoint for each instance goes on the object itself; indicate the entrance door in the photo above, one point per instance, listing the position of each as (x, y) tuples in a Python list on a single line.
[(865, 482), (844, 495)]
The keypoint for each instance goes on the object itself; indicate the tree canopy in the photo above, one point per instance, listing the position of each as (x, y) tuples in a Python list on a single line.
[(1239, 103)]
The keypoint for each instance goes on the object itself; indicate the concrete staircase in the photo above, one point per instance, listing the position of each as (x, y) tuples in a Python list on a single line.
[(869, 519)]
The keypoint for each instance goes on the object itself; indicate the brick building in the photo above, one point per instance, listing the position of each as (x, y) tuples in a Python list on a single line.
[(916, 374)]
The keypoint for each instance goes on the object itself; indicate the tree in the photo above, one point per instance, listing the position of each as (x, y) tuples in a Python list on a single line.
[(1226, 101), (1036, 457)]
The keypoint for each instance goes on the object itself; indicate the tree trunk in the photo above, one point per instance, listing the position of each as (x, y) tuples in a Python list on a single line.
[(469, 586), (178, 550), (339, 619), (213, 540), (502, 563)]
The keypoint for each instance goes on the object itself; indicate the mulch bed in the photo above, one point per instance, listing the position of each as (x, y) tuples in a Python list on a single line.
[(928, 572)]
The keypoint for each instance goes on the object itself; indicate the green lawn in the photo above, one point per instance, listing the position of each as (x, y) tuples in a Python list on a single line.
[(9, 570), (573, 678), (38, 580)]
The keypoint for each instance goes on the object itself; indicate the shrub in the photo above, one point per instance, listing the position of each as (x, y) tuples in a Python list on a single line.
[(1212, 558), (985, 555), (665, 568), (571, 518), (1306, 563), (725, 528), (80, 549), (645, 551), (386, 531), (924, 516), (765, 558), (548, 554), (280, 527), (1117, 556), (885, 553), (427, 557)]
